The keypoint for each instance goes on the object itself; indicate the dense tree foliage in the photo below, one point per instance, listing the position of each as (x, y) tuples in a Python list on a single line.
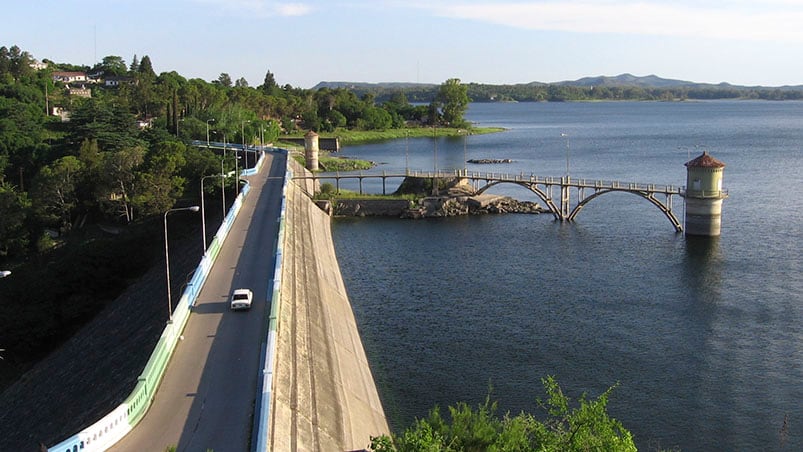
[(542, 92), (453, 99), (586, 427)]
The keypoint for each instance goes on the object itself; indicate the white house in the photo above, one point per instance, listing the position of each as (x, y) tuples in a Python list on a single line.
[(68, 77)]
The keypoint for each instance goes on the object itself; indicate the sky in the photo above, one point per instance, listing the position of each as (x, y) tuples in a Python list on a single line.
[(303, 42)]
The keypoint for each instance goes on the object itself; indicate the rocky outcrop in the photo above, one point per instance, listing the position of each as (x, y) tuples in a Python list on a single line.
[(368, 207), (434, 207), (454, 196)]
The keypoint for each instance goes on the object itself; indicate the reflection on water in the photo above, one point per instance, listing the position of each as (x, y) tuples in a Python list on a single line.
[(704, 268)]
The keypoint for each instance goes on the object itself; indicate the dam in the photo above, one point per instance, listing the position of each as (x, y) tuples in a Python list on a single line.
[(324, 394)]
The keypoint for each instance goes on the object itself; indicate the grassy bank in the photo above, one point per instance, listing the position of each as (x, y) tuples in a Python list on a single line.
[(367, 136), (329, 163)]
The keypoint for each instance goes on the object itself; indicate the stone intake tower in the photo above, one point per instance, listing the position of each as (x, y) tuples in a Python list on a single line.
[(311, 150), (704, 196)]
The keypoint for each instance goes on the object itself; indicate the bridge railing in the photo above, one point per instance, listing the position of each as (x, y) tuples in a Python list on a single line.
[(514, 178), (704, 193), (121, 420)]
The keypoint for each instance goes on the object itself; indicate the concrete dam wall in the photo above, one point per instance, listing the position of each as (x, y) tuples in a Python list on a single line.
[(325, 397)]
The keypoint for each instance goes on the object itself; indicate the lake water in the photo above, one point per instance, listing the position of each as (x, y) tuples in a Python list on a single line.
[(704, 336)]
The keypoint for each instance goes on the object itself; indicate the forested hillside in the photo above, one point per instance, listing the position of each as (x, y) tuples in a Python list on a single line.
[(620, 87)]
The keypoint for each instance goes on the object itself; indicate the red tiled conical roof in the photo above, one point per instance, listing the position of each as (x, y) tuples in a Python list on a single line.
[(705, 161)]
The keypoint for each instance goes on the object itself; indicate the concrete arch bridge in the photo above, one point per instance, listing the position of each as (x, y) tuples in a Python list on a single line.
[(564, 196)]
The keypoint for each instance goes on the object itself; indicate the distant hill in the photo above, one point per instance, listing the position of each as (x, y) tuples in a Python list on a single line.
[(621, 80), (649, 81), (619, 87)]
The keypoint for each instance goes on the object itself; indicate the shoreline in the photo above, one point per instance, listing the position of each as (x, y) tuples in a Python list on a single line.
[(429, 207)]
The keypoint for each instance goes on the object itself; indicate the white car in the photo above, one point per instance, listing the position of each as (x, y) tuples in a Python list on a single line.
[(241, 299)]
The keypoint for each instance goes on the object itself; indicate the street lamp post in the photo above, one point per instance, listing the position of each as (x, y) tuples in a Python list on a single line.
[(237, 173), (434, 162), (203, 214), (242, 132), (167, 260), (406, 152), (207, 131), (465, 153), (222, 174), (567, 153)]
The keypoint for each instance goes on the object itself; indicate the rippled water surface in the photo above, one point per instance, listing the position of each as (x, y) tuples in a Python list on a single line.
[(704, 336)]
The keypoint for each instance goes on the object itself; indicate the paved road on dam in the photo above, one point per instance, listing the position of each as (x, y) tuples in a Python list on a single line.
[(206, 399)]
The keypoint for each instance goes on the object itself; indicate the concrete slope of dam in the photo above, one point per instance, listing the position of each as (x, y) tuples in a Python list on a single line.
[(324, 396)]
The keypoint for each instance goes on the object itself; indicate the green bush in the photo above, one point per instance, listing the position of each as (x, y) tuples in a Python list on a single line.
[(327, 188), (586, 427)]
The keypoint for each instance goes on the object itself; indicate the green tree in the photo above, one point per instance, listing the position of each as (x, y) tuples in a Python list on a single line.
[(224, 80), (105, 120), (158, 182), (15, 62), (134, 66), (269, 85), (453, 97), (586, 427), (54, 192), (14, 206), (118, 185), (111, 65), (377, 118), (146, 67)]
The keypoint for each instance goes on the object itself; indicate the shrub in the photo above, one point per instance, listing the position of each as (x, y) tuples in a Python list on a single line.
[(586, 427)]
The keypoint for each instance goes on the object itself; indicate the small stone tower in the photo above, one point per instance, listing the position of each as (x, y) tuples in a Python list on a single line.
[(704, 196), (311, 150)]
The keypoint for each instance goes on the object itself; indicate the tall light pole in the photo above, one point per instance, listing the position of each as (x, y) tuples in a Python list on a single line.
[(222, 174), (203, 214), (167, 261), (242, 132), (434, 162), (236, 173), (465, 153), (406, 152), (567, 153), (207, 131)]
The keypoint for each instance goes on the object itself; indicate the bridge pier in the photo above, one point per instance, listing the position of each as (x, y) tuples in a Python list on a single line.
[(565, 198)]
